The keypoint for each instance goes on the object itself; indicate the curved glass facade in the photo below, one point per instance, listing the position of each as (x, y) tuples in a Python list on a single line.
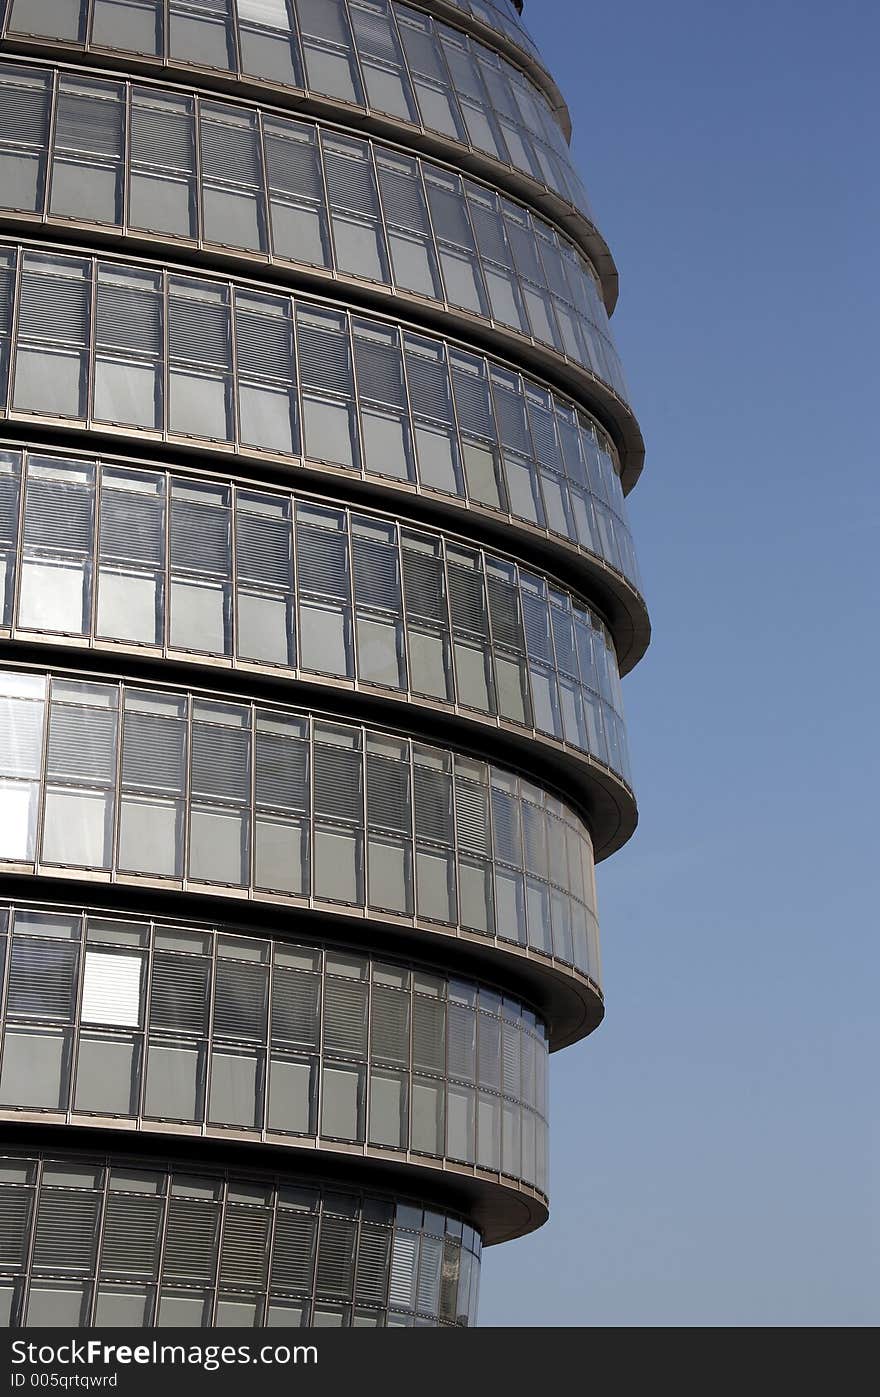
[(210, 794), (87, 1240), (316, 586), (392, 61), (205, 173), (294, 585), (167, 357), (175, 1026)]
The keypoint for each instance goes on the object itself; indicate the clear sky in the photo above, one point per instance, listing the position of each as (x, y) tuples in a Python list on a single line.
[(715, 1145)]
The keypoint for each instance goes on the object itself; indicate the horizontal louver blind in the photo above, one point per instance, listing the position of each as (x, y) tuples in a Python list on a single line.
[(376, 581), (350, 183), (449, 1279), (472, 816), (198, 331), (241, 999), (325, 361), (389, 1041), (88, 123), (512, 1069), (244, 1254), (112, 988), (374, 36), (153, 752), (489, 234), (24, 110), (42, 978), (449, 216), (432, 793), (8, 507), (21, 732), (345, 1017), (54, 307), (380, 371), (429, 1034), (132, 1230), (282, 778), (338, 778), (162, 137), (293, 1250), (536, 621), (489, 1050), (221, 762), (472, 404), (229, 152), (513, 429), (544, 436), (404, 1260), (430, 1263), (129, 318), (179, 994), (293, 165), (504, 612), (132, 526), (429, 387), (403, 201), (295, 999), (263, 550), (322, 561), (466, 602), (372, 1265), (82, 744), (191, 1239), (506, 835), (388, 800), (199, 537), (15, 1217), (461, 1041), (563, 639), (336, 1257), (67, 1229), (58, 515), (535, 845), (424, 582), (265, 345)]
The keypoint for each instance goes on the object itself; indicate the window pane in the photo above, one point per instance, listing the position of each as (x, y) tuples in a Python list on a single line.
[(151, 836), (324, 639), (281, 856), (106, 1080), (123, 1307), (267, 418), (199, 616), (427, 1117), (49, 382), (291, 1096), (218, 846), (161, 204), (235, 1089), (34, 1069), (387, 1109), (19, 803), (341, 1103), (337, 865), (173, 1088), (129, 606), (265, 628), (199, 405), (54, 596), (77, 828), (126, 392), (57, 1304)]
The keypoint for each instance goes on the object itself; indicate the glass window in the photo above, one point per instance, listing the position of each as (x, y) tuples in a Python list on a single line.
[(236, 1088), (342, 1102), (174, 1086), (50, 373), (24, 126), (106, 1075), (292, 1095), (53, 19), (388, 1124), (35, 1068), (87, 164), (199, 349)]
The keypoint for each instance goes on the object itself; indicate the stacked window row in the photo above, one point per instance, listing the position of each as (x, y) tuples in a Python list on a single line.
[(180, 166), (373, 54), (131, 348), (203, 567), (120, 1242), (503, 16), (135, 782), (160, 1024)]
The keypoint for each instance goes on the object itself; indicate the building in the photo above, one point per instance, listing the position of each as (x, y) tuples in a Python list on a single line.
[(316, 588)]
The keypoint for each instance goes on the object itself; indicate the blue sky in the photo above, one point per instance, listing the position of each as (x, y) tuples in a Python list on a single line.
[(714, 1147)]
